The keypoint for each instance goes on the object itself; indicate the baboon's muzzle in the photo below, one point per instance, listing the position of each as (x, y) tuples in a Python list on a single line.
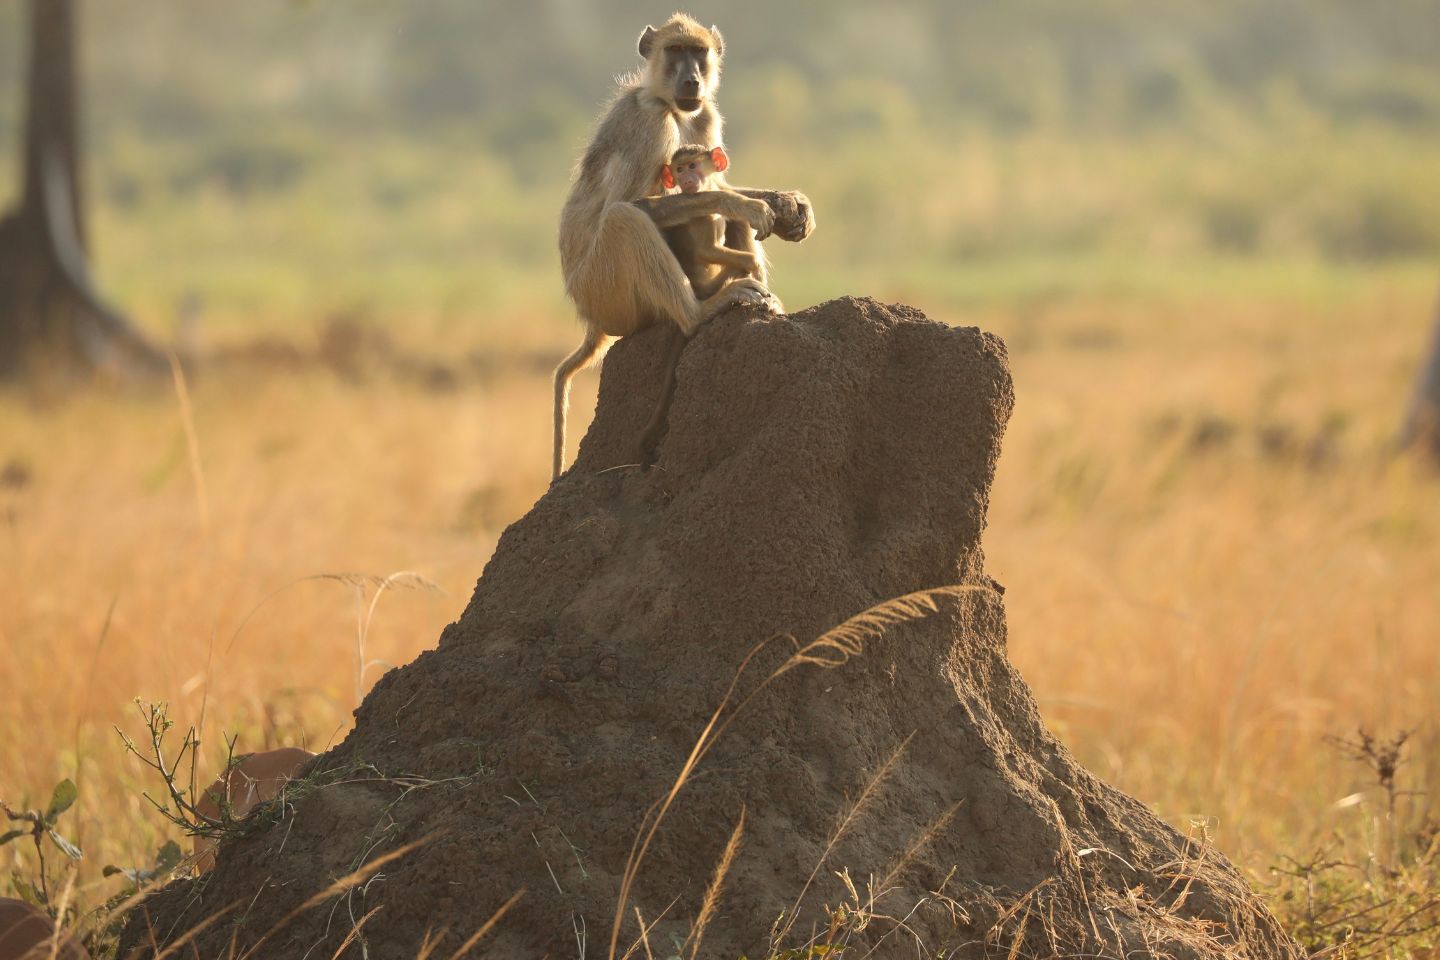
[(689, 90)]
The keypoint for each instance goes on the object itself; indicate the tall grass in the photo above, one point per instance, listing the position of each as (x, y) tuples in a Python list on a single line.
[(1213, 559)]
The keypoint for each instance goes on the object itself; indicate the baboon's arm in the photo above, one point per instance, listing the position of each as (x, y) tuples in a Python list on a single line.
[(722, 255), (675, 209), (794, 215)]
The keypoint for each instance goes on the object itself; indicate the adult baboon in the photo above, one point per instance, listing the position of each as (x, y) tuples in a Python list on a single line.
[(618, 269)]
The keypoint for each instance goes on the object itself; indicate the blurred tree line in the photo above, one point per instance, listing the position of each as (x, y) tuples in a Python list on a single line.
[(524, 70), (934, 131)]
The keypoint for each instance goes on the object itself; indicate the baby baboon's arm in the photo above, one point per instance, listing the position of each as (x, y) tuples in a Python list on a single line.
[(675, 209)]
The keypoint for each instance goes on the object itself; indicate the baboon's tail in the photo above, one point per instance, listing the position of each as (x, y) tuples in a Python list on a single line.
[(592, 346)]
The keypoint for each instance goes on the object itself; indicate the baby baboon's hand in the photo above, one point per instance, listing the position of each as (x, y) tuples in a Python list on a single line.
[(760, 217)]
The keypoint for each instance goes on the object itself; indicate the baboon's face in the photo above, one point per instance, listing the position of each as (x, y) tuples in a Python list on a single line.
[(691, 168), (688, 72), (683, 63), (693, 174)]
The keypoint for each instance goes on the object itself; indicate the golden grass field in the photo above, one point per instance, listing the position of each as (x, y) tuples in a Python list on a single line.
[(1214, 559)]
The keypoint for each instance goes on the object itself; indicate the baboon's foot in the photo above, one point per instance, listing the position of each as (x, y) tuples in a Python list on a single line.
[(750, 291)]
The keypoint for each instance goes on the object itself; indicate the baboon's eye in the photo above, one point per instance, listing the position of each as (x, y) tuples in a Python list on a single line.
[(675, 48)]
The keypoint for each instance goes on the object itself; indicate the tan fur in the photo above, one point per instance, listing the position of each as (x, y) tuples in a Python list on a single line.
[(618, 269), (681, 27), (699, 245)]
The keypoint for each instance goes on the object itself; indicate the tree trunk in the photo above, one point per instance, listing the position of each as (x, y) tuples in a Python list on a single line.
[(1422, 422), (50, 313)]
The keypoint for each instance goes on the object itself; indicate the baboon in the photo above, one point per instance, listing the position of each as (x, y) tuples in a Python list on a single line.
[(699, 247), (618, 269), (699, 244)]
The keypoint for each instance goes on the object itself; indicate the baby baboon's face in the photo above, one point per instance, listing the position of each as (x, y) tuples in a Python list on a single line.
[(694, 175), (691, 168)]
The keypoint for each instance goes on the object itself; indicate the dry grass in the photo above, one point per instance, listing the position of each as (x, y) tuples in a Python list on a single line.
[(307, 475), (1212, 561)]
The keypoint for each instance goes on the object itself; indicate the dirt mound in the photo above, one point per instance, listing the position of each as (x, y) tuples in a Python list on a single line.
[(814, 466)]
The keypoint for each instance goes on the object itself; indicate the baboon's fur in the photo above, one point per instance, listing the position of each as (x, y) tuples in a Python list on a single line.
[(618, 269), (699, 244)]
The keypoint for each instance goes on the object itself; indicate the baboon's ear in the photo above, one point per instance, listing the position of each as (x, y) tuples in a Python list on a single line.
[(720, 159), (647, 41), (719, 40), (667, 178)]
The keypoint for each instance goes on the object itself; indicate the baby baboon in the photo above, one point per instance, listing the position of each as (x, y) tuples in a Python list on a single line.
[(618, 268), (699, 245)]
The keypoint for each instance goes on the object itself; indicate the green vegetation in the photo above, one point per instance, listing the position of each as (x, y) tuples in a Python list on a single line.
[(408, 161)]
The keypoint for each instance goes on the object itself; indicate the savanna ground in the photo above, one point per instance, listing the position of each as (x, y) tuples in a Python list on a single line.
[(1214, 563), (1218, 569)]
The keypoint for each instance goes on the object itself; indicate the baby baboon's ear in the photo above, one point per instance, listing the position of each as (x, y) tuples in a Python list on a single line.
[(719, 40), (647, 41)]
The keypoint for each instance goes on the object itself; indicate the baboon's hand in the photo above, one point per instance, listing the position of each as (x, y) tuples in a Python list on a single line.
[(752, 211), (761, 218), (794, 217)]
